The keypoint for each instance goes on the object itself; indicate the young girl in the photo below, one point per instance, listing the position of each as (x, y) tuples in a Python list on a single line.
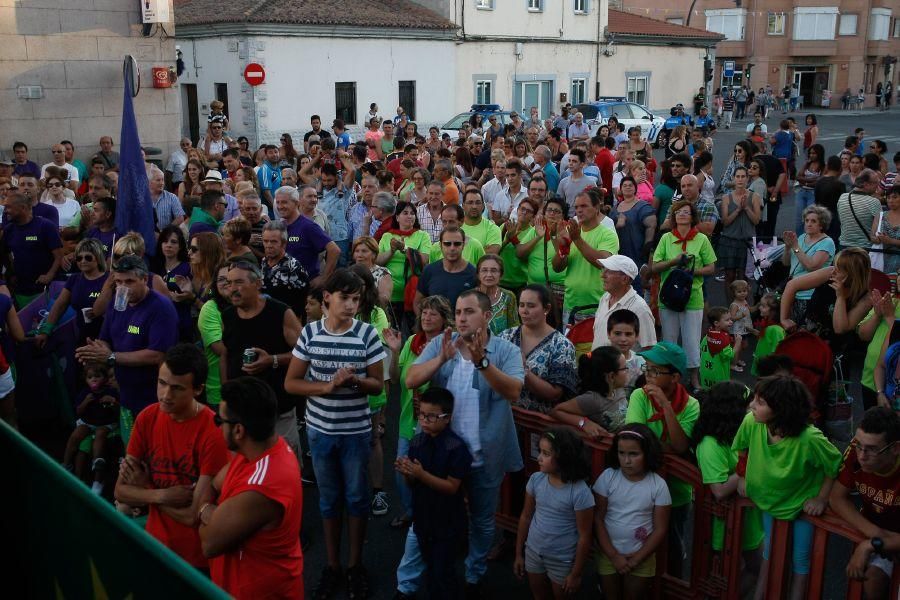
[(554, 538), (742, 322), (722, 408), (632, 515), (770, 333), (790, 468), (600, 408), (98, 415)]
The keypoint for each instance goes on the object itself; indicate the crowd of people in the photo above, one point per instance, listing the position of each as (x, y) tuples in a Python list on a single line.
[(291, 293)]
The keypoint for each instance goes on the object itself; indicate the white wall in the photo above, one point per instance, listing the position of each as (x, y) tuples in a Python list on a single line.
[(511, 18), (675, 72)]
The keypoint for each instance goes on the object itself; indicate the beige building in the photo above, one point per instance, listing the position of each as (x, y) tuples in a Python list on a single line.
[(61, 75), (825, 47)]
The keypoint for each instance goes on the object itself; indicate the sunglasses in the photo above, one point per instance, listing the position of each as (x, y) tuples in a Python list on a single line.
[(85, 258), (453, 244), (192, 249), (218, 420), (55, 184)]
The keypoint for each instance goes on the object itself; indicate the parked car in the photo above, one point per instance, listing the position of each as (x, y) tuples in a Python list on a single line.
[(453, 126), (630, 114)]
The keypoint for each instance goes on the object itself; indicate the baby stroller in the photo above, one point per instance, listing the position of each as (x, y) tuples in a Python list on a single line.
[(581, 333), (764, 266)]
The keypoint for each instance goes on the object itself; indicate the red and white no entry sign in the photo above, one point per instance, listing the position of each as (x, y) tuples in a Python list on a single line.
[(255, 74)]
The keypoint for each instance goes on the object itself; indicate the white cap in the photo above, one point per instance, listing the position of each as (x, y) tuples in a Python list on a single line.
[(620, 263)]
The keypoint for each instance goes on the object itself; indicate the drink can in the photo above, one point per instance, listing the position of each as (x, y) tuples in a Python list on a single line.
[(250, 356)]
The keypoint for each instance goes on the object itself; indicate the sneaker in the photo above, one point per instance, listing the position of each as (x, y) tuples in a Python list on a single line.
[(380, 504), (328, 584), (98, 464), (357, 583), (473, 591)]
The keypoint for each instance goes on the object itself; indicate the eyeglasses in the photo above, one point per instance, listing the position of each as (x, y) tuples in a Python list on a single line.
[(869, 450), (431, 417), (553, 211), (85, 258), (55, 184), (58, 151), (454, 244), (218, 420), (654, 371), (192, 249)]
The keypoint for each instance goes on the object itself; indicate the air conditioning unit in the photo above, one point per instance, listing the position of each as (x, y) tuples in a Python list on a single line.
[(30, 92)]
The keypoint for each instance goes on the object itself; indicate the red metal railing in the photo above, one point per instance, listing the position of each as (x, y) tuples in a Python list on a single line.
[(712, 574)]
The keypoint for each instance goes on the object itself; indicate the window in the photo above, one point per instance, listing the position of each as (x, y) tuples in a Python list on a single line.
[(345, 101), (776, 23), (579, 85), (815, 23), (879, 24), (896, 33), (484, 4), (636, 90), (581, 7), (484, 91), (407, 97), (729, 22), (676, 21), (535, 5), (848, 24)]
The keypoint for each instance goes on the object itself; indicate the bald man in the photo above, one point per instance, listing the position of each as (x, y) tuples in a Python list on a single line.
[(58, 151), (706, 210)]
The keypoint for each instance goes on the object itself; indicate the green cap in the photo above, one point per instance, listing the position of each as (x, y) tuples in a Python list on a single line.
[(668, 354)]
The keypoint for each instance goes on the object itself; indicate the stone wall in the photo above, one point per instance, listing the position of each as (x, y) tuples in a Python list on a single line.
[(74, 50)]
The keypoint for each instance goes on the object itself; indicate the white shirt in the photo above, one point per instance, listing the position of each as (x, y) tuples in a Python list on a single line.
[(67, 210), (608, 223), (177, 163), (762, 128), (466, 420), (507, 205), (491, 191), (630, 301), (73, 172)]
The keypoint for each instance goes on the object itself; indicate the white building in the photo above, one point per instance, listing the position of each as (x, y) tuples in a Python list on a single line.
[(433, 57)]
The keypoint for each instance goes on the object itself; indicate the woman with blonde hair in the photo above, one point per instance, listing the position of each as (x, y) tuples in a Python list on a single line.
[(236, 238), (130, 244)]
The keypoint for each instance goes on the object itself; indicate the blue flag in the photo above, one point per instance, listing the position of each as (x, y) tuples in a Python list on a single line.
[(134, 208)]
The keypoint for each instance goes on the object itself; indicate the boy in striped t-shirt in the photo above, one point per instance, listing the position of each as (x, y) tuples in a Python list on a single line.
[(338, 363)]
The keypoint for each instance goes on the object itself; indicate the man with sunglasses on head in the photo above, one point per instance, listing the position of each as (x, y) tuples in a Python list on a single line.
[(871, 468), (173, 455)]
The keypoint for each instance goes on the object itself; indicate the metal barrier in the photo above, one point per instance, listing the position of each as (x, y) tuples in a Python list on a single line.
[(712, 574)]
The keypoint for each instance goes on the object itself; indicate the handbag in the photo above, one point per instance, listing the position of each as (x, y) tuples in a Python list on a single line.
[(676, 291), (876, 252), (412, 269)]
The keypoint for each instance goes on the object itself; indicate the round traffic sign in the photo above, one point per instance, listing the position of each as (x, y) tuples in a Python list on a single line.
[(255, 74)]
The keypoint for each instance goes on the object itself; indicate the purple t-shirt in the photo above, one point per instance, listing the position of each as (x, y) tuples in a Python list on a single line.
[(306, 241), (32, 246), (185, 322), (28, 168), (106, 238), (84, 292), (149, 325), (201, 227)]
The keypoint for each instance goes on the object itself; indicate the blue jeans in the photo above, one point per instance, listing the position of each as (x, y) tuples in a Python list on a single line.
[(482, 505), (803, 197), (802, 540), (403, 490), (341, 463)]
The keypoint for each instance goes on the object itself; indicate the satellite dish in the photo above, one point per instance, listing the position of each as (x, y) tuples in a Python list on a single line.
[(131, 75)]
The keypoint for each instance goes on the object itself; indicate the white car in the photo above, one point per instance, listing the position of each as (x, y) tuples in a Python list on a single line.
[(598, 112)]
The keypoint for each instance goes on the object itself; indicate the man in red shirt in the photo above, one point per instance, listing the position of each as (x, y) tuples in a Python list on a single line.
[(605, 158), (174, 452), (871, 467), (252, 533)]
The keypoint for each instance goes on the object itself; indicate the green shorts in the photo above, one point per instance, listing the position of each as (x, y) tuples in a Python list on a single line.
[(645, 569)]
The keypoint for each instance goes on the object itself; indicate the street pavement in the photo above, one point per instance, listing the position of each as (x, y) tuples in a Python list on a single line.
[(384, 546)]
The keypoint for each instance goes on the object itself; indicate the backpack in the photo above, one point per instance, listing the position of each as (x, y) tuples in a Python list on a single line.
[(676, 291)]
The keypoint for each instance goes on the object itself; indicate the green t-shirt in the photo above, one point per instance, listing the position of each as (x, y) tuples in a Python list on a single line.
[(700, 247), (407, 416), (584, 285), (538, 259), (664, 193), (515, 270), (380, 322), (485, 232), (784, 475), (417, 241), (210, 325), (640, 410), (714, 369), (768, 342), (873, 351), (717, 463), (472, 251)]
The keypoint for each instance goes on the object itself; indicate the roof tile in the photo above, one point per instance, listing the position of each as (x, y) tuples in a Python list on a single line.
[(628, 23)]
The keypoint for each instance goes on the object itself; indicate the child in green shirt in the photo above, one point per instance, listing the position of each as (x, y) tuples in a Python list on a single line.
[(770, 332), (716, 351), (791, 467)]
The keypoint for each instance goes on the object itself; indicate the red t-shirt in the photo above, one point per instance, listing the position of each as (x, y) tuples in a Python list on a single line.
[(177, 454), (270, 563), (880, 494), (605, 161)]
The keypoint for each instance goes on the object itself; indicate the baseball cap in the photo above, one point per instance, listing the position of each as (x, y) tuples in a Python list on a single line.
[(667, 354), (7, 162), (620, 263), (212, 176)]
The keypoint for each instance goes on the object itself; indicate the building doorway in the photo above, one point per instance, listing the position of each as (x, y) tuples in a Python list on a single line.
[(190, 120), (533, 93), (811, 81)]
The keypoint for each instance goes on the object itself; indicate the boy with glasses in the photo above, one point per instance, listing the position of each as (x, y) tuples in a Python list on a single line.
[(871, 468)]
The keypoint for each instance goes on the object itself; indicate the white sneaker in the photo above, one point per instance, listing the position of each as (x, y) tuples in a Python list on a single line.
[(380, 504)]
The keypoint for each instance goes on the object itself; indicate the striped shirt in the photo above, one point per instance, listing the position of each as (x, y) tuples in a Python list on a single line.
[(168, 208), (345, 411)]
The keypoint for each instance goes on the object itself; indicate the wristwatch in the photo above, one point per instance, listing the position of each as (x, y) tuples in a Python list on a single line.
[(581, 423), (877, 545), (111, 359), (482, 364), (796, 250)]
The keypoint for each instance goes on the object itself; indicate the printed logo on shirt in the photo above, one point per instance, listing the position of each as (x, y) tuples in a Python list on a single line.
[(94, 295), (294, 238), (134, 329), (31, 238)]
